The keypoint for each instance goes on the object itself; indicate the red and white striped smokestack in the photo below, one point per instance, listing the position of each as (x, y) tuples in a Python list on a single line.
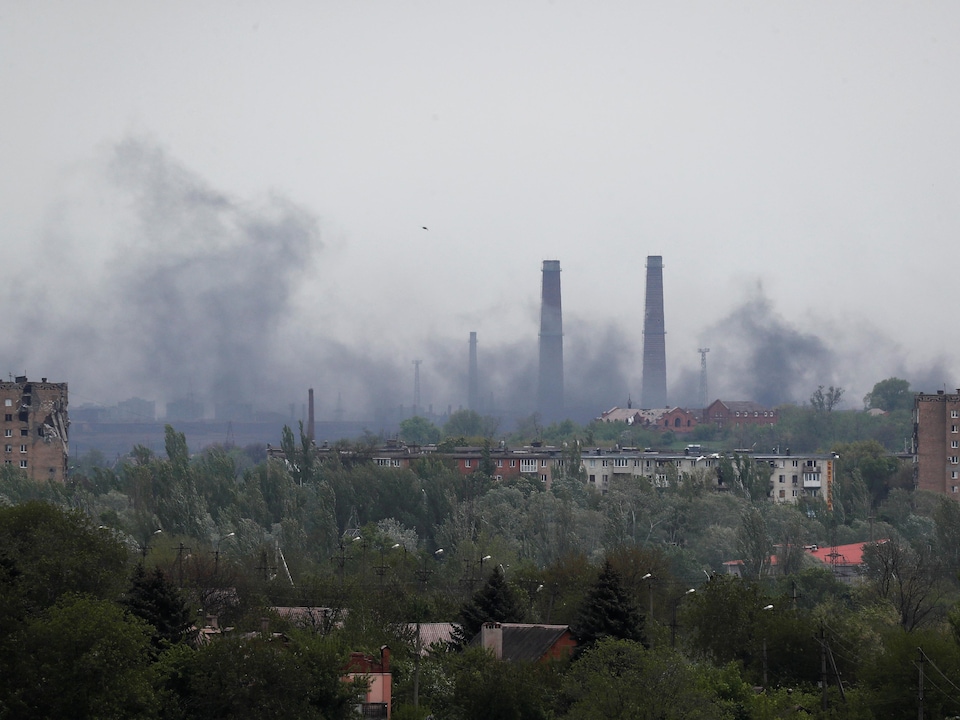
[(310, 426)]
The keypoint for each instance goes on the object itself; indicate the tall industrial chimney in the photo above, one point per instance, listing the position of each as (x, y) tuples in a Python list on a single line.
[(310, 423), (653, 385), (550, 385), (473, 383)]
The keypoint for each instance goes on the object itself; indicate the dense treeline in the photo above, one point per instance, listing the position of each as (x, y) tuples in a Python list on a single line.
[(124, 560)]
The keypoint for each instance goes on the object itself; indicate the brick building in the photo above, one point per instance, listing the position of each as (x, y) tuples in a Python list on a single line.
[(733, 413), (936, 442), (35, 427)]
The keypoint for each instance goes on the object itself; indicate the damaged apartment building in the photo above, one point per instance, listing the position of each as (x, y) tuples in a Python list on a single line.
[(35, 427)]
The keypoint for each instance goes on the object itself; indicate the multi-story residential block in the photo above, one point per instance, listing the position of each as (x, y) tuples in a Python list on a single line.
[(936, 442), (35, 426), (789, 477)]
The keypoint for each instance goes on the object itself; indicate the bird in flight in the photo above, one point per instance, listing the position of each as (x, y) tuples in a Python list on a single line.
[(424, 227)]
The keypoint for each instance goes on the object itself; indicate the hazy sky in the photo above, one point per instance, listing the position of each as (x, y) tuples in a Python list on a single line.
[(228, 197)]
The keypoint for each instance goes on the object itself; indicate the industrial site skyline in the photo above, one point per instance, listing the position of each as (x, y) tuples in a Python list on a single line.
[(236, 203)]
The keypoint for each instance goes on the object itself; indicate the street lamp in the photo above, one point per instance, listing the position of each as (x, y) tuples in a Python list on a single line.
[(649, 577), (216, 553), (765, 607), (423, 575), (673, 624), (145, 548)]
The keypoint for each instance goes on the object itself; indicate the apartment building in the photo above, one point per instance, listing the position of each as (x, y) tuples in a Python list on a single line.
[(34, 427), (936, 442)]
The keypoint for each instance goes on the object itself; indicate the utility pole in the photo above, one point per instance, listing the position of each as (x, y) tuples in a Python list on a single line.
[(180, 550), (823, 670), (920, 686)]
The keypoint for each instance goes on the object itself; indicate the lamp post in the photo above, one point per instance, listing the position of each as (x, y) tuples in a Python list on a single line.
[(145, 547), (483, 559), (423, 575), (649, 578), (216, 553), (673, 623), (766, 607)]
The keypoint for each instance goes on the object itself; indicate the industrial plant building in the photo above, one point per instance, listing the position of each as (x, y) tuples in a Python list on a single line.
[(35, 426)]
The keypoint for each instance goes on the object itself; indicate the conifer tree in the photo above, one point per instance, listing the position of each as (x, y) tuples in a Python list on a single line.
[(608, 611), (494, 602), (153, 598)]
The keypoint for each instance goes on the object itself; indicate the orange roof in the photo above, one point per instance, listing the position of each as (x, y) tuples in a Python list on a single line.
[(841, 554)]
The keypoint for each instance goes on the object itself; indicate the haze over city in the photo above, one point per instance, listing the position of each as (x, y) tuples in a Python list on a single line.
[(235, 201)]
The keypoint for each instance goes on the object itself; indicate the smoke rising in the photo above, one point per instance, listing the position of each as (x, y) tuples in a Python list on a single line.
[(190, 292)]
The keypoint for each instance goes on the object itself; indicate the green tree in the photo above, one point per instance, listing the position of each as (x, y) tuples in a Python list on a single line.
[(47, 551), (908, 579), (608, 611), (81, 658), (826, 401), (891, 395), (494, 602), (474, 685), (155, 600), (753, 541), (622, 679), (470, 424), (242, 677), (418, 430)]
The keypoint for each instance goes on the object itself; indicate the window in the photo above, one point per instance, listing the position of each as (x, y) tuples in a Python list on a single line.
[(23, 448), (513, 463), (8, 448), (954, 459), (528, 466), (8, 433), (621, 462), (955, 413), (593, 479), (466, 463), (954, 488), (783, 493), (794, 479), (605, 462), (24, 432), (954, 474), (395, 463), (8, 417), (593, 463), (8, 402), (23, 464), (498, 477), (955, 443), (794, 493), (782, 479), (543, 478), (499, 463), (543, 463), (796, 463), (954, 428)]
